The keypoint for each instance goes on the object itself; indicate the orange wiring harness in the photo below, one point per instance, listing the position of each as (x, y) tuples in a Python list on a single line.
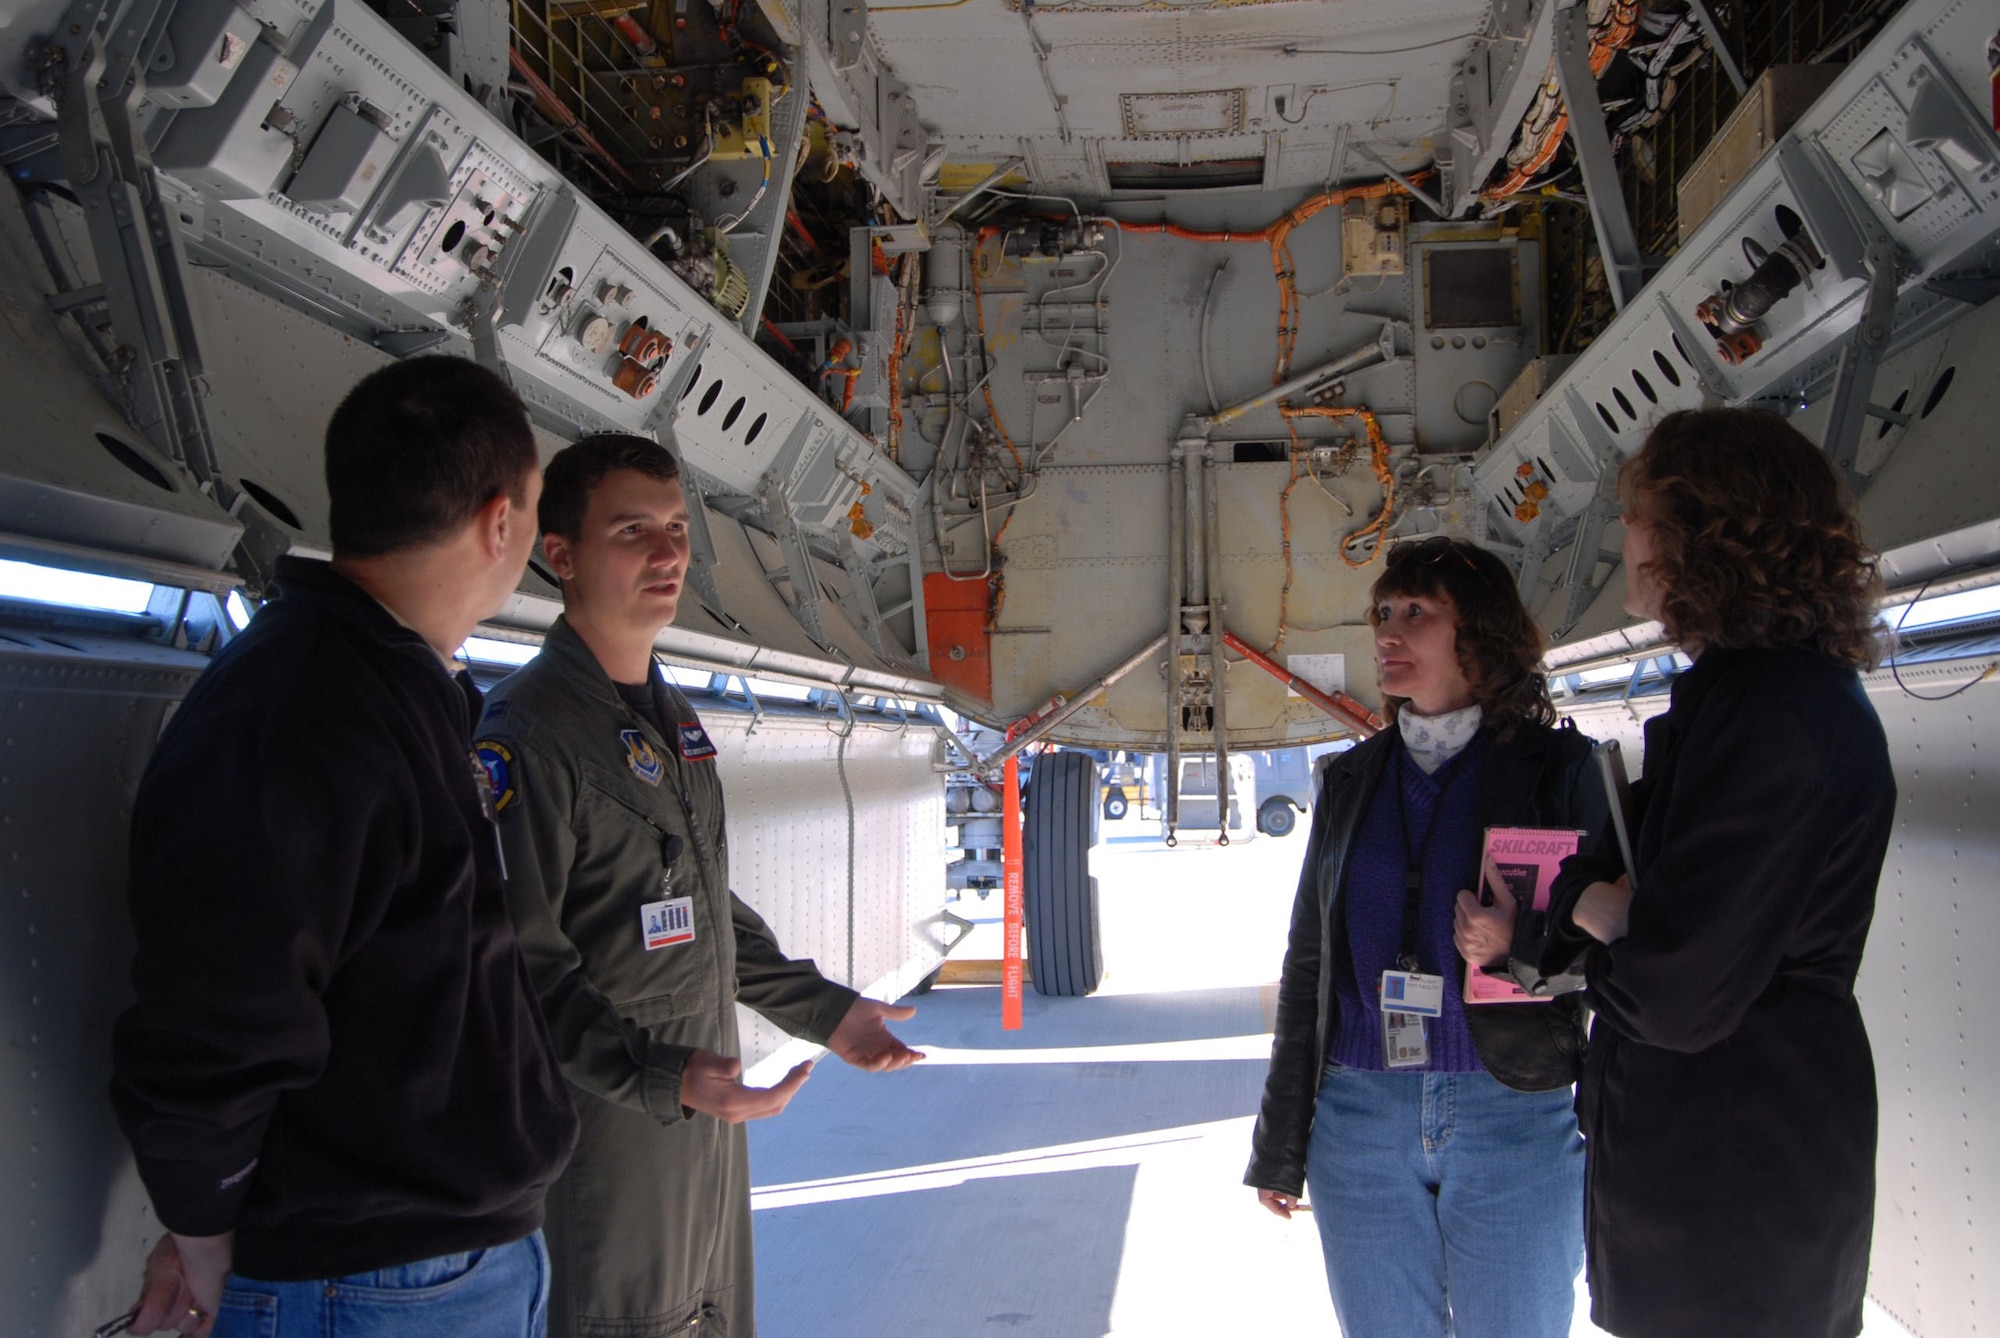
[(1378, 457), (1278, 237), (1618, 31)]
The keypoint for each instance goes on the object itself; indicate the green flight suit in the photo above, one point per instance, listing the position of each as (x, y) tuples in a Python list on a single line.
[(649, 1227)]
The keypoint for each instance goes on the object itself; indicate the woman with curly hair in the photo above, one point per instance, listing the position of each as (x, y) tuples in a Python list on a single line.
[(1442, 1153), (1728, 1104)]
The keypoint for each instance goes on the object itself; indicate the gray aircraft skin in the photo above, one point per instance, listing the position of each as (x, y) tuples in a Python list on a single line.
[(1051, 362)]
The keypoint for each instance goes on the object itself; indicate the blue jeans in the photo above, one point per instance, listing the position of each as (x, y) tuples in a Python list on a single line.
[(498, 1293), (1447, 1204)]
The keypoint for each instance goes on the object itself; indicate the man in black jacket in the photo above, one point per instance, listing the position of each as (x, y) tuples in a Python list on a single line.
[(340, 1091)]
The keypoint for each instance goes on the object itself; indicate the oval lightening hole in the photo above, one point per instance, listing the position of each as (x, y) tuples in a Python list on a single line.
[(1645, 386), (735, 412), (271, 502), (1666, 368), (708, 397), (136, 461), (453, 235), (1609, 421), (694, 379), (1624, 404), (756, 426), (1936, 397), (1681, 349)]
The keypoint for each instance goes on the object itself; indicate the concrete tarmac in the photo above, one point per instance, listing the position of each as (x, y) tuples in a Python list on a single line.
[(1080, 1177)]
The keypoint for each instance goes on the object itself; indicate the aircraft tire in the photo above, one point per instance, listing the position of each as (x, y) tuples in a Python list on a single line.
[(1276, 818), (1064, 950)]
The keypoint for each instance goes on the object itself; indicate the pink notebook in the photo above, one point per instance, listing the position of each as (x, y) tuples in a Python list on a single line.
[(1519, 862)]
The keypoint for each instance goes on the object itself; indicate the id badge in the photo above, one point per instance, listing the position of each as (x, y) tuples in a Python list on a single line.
[(1403, 1043), (666, 923), (1413, 992)]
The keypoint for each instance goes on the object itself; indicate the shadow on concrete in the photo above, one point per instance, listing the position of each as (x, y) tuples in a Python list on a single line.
[(846, 1123), (1034, 1254)]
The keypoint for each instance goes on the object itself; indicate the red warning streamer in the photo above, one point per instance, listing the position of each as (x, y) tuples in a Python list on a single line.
[(1011, 860)]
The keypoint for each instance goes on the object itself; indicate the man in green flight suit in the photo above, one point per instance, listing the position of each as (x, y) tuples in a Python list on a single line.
[(618, 881)]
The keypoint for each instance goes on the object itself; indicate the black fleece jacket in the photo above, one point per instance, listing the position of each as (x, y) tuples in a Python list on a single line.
[(1537, 777), (335, 1049)]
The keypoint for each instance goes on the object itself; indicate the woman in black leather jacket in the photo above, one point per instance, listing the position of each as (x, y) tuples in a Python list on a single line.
[(1447, 1179), (1729, 1101)]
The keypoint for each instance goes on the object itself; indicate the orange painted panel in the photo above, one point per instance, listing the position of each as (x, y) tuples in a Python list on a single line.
[(960, 646)]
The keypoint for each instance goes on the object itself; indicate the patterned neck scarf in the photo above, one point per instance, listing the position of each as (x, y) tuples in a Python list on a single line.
[(1433, 740)]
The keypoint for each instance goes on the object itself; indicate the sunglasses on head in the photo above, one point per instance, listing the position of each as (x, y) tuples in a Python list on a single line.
[(1434, 549)]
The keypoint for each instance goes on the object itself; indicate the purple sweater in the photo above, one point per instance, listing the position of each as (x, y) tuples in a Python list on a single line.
[(1374, 906)]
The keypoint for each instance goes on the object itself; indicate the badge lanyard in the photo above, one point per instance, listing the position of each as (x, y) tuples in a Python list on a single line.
[(1408, 994)]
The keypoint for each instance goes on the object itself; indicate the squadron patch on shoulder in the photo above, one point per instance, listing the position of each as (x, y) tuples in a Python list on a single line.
[(646, 763), (694, 743), (498, 763)]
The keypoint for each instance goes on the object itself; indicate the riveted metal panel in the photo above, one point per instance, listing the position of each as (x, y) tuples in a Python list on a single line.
[(78, 719), (1930, 999), (838, 841)]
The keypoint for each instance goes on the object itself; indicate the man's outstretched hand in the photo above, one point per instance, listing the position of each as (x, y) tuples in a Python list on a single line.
[(864, 1040), (713, 1084)]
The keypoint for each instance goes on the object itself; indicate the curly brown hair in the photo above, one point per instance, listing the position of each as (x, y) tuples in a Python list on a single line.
[(1499, 645), (1755, 538)]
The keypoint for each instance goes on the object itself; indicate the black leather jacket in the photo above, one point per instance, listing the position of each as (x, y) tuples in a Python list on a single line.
[(1540, 777)]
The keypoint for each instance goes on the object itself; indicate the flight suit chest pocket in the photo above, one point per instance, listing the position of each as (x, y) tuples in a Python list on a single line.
[(636, 908)]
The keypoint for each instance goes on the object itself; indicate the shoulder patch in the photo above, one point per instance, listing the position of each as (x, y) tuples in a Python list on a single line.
[(498, 761), (694, 743), (646, 764)]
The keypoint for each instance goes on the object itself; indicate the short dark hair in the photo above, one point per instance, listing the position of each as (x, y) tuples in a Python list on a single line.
[(1754, 536), (575, 471), (1499, 645), (417, 448)]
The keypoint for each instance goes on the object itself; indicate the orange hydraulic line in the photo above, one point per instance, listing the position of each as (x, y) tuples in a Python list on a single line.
[(566, 118), (797, 225), (779, 335), (1336, 704)]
